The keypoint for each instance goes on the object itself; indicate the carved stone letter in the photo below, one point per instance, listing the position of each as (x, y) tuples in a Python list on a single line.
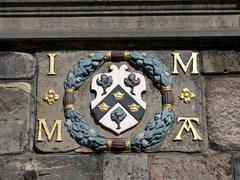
[(187, 125), (177, 60), (56, 127), (51, 70)]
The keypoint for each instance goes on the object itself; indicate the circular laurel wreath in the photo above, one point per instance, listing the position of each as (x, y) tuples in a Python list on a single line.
[(156, 128)]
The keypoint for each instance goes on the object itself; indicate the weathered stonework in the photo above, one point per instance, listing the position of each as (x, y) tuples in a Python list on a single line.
[(222, 100), (84, 167), (187, 167), (14, 117), (122, 167), (15, 65), (221, 61), (120, 26), (30, 29)]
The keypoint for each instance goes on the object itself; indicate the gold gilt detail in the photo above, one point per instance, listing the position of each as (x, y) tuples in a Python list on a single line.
[(168, 106), (69, 90), (128, 144), (127, 56), (118, 95), (50, 97), (166, 88), (108, 56), (109, 145), (186, 95), (133, 107), (103, 107), (69, 106)]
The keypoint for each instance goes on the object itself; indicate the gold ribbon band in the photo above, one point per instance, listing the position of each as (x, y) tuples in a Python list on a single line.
[(108, 56), (109, 145), (166, 88), (168, 106), (126, 56), (128, 144), (69, 106), (69, 90)]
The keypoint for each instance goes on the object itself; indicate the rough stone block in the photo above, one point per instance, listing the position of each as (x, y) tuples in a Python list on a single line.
[(84, 167), (223, 102), (122, 167), (14, 117), (17, 65), (220, 61), (187, 167)]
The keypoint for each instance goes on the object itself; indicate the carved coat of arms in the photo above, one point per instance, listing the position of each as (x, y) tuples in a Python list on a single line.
[(118, 105)]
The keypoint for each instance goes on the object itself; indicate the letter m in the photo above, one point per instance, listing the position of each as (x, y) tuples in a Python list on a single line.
[(177, 60), (42, 125)]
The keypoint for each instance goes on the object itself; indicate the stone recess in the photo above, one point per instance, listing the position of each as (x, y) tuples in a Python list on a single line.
[(223, 103), (220, 61), (14, 117), (17, 65), (187, 167), (59, 167), (123, 167)]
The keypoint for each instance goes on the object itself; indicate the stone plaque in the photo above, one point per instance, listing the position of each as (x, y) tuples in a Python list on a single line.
[(71, 81)]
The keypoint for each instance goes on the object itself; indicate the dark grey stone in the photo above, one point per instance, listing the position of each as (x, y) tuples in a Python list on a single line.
[(14, 117), (168, 26), (125, 167), (50, 167), (191, 167), (15, 65), (236, 165), (223, 102), (220, 61)]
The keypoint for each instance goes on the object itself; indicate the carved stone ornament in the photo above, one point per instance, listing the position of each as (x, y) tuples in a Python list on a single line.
[(110, 108), (186, 95), (50, 97)]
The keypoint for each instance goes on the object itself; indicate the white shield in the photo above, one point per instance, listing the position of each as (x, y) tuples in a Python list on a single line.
[(118, 105)]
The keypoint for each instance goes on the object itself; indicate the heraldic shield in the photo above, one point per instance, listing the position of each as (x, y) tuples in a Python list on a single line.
[(118, 105)]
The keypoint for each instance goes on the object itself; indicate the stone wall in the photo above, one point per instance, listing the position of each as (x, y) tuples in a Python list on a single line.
[(212, 29)]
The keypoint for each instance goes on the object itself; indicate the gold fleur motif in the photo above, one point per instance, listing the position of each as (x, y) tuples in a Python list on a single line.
[(118, 95), (186, 95), (103, 107), (50, 97), (133, 107)]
